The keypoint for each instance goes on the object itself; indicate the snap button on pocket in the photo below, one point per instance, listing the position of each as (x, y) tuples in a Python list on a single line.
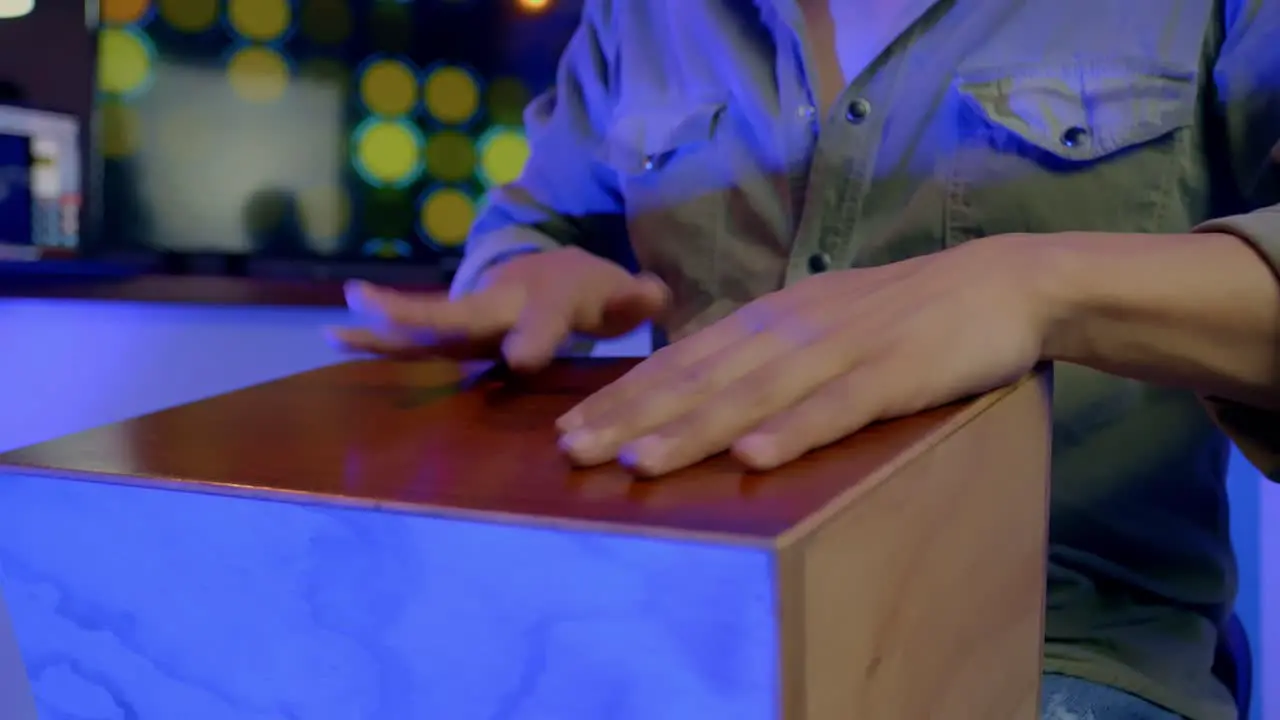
[(1074, 136)]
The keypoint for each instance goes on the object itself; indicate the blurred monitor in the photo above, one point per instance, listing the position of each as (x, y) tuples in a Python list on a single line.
[(40, 184), (344, 130)]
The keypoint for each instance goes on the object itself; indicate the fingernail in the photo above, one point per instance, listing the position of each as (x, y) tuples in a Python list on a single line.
[(578, 442), (356, 293), (645, 454), (757, 450)]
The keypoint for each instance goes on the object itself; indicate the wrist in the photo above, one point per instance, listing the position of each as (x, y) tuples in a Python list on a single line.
[(1046, 274)]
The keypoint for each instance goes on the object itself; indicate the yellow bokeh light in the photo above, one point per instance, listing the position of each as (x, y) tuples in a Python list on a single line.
[(503, 155), (258, 74), (388, 152), (189, 16), (451, 156), (389, 87), (447, 215), (119, 130), (124, 61), (260, 20), (452, 95), (325, 216), (326, 22), (123, 12)]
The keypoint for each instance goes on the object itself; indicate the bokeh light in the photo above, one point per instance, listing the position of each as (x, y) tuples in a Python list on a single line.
[(533, 6), (405, 95), (325, 22), (120, 131), (503, 154), (125, 61), (189, 16), (446, 217), (451, 156), (452, 94), (260, 20), (258, 74), (124, 12), (389, 87), (387, 153), (386, 249)]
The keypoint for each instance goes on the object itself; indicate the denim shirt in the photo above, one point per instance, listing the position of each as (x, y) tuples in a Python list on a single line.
[(682, 136)]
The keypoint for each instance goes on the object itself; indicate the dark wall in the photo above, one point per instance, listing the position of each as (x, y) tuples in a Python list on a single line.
[(49, 55)]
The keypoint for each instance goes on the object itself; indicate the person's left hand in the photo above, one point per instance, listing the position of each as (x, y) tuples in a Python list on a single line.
[(813, 363)]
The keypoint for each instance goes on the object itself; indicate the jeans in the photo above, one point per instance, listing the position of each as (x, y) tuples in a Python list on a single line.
[(1066, 698)]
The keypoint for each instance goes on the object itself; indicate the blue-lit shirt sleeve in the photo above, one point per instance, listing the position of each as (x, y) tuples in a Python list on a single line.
[(565, 196), (1247, 81)]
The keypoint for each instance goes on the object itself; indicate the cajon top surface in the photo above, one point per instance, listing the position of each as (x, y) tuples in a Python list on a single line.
[(428, 437)]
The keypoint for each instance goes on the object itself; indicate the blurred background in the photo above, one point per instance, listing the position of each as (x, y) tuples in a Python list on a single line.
[(341, 133)]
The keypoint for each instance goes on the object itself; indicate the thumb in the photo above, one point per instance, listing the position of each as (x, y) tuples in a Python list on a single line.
[(640, 299)]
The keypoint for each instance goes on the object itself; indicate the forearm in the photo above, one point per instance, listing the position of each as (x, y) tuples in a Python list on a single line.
[(1200, 311)]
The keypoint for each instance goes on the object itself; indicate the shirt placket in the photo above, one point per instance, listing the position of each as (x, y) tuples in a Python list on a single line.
[(837, 154)]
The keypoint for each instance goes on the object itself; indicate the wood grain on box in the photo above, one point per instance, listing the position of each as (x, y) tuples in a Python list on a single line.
[(906, 564)]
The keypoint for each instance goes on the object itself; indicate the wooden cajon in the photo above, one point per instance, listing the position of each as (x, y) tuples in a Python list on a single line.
[(15, 693), (407, 541)]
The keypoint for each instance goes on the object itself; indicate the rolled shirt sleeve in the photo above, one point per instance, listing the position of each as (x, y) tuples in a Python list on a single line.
[(1247, 80), (565, 195)]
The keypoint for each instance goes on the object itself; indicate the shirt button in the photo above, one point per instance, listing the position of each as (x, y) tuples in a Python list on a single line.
[(857, 111), (1075, 136), (819, 262), (806, 112)]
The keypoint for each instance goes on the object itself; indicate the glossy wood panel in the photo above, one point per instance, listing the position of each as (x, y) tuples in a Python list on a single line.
[(925, 598), (432, 437)]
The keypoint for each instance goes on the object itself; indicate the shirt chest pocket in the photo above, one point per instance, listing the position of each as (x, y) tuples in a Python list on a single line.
[(666, 157), (1100, 146)]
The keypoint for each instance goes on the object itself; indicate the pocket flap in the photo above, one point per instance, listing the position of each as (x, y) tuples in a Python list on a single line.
[(644, 140), (1082, 111)]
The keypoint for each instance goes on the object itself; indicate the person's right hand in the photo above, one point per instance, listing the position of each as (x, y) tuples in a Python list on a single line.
[(523, 309)]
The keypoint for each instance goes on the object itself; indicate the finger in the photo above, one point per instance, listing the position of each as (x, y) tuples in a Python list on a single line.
[(484, 313), (362, 340), (603, 437), (653, 372), (832, 412), (542, 328), (643, 299), (365, 341), (715, 423), (666, 365)]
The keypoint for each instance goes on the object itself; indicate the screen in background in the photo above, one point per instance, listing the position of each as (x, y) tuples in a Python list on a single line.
[(315, 129), (15, 190), (47, 144)]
